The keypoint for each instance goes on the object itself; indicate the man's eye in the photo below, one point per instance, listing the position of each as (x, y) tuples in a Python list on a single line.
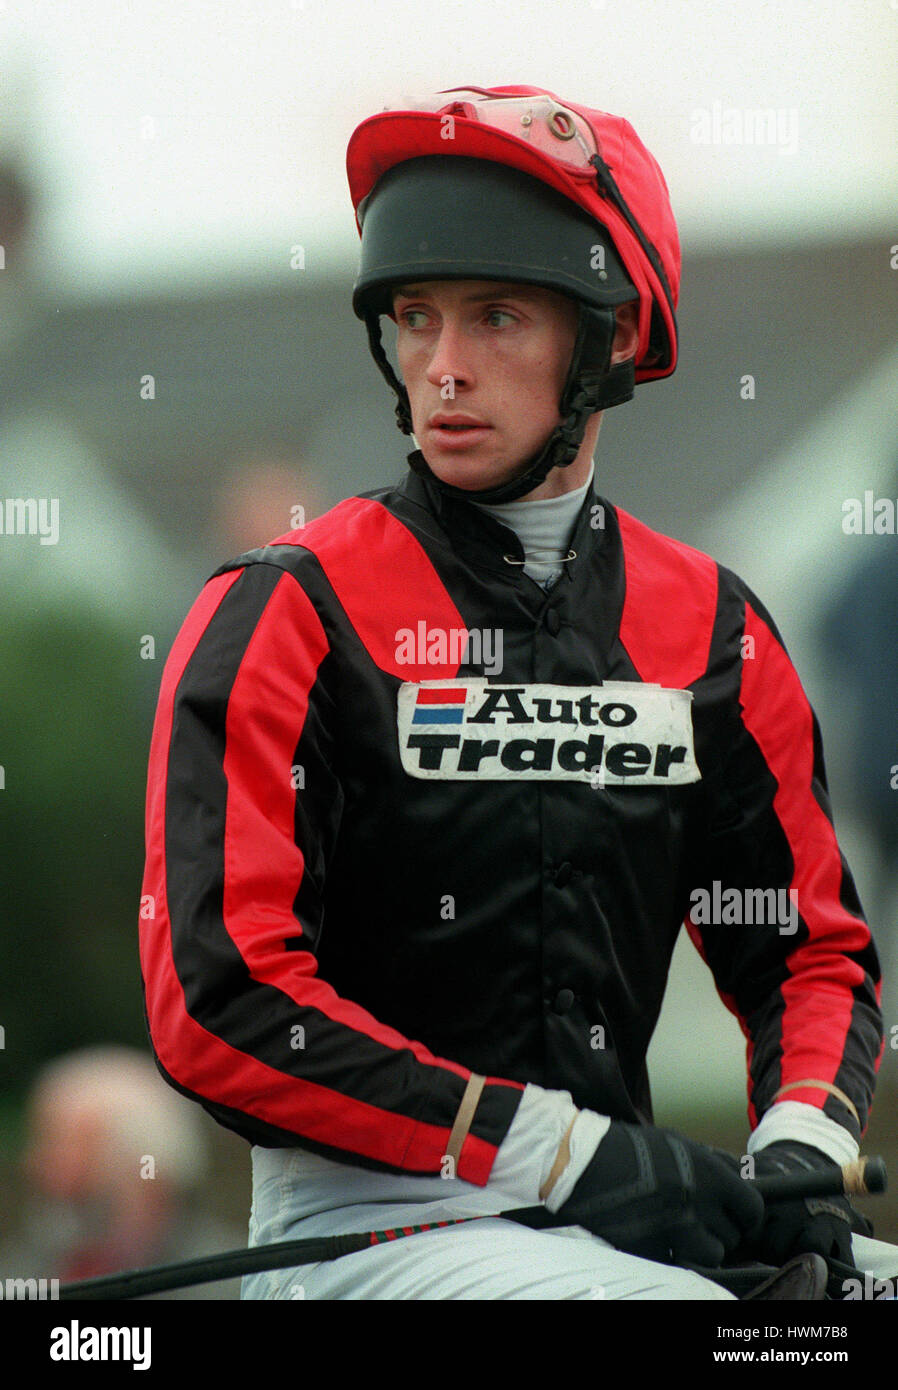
[(406, 317)]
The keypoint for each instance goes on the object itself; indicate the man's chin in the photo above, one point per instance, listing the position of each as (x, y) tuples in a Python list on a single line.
[(471, 474)]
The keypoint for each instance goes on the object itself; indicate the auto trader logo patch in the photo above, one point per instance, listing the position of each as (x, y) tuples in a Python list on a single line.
[(619, 733)]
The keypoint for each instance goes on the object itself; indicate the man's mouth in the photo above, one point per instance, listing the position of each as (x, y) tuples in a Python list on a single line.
[(443, 419), (458, 436)]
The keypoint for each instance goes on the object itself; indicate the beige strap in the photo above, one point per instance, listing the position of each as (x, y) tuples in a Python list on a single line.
[(823, 1086), (465, 1114), (562, 1159)]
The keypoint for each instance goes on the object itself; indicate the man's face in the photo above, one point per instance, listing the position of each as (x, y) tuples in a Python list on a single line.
[(489, 352)]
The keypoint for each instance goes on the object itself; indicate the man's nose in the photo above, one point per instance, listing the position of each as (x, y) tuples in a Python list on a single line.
[(450, 356)]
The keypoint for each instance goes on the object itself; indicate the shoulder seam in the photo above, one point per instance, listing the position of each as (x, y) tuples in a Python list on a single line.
[(242, 563)]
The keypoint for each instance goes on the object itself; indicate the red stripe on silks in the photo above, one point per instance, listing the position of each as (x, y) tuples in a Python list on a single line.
[(348, 543), (262, 862), (441, 697), (670, 603), (194, 1057), (817, 996)]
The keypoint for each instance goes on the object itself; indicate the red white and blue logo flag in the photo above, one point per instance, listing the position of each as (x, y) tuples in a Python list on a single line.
[(440, 706)]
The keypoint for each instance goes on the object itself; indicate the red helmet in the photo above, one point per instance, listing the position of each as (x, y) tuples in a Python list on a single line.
[(436, 218)]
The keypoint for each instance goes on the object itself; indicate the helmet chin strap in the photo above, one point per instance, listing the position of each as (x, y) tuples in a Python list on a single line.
[(592, 384)]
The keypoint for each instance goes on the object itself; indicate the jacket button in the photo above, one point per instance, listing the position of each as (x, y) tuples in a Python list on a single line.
[(553, 622), (563, 1001), (563, 875)]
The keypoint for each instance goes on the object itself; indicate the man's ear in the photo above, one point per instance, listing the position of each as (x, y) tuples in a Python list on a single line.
[(626, 337)]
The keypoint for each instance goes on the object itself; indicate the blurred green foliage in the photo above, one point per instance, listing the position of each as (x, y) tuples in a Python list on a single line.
[(75, 718)]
